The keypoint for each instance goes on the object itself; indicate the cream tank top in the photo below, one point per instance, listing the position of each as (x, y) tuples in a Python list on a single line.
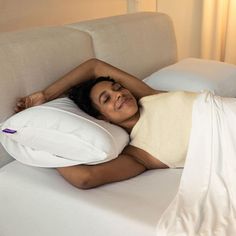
[(163, 129)]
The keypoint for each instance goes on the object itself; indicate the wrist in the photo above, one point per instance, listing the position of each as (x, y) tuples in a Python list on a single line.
[(46, 96)]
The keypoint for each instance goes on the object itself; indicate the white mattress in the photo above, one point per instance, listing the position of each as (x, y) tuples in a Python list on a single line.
[(38, 201)]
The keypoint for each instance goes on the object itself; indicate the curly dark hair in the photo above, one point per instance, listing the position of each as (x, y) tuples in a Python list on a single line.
[(80, 94)]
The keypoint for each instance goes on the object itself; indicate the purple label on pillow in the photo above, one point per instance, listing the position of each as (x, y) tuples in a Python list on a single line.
[(9, 131)]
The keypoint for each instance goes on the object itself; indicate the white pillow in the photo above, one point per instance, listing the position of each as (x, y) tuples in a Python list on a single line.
[(195, 75), (58, 133)]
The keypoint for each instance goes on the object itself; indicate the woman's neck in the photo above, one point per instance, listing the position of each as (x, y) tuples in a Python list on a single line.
[(131, 122)]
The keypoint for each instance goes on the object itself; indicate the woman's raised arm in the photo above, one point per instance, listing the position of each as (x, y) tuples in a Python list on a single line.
[(92, 68), (136, 86)]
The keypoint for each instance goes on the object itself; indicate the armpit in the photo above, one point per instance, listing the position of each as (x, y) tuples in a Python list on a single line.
[(143, 157)]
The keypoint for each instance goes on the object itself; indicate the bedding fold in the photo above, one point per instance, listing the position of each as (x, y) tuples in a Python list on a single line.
[(206, 200)]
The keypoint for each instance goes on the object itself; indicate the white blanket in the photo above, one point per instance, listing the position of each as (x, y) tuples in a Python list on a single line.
[(205, 204)]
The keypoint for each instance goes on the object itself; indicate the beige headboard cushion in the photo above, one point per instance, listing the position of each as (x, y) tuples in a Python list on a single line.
[(138, 43), (31, 60)]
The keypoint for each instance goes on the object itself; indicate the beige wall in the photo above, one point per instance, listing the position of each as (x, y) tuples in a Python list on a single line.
[(147, 5), (23, 14), (186, 15), (141, 5)]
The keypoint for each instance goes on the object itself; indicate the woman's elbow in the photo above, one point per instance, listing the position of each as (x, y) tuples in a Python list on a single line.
[(94, 63), (84, 182), (80, 179)]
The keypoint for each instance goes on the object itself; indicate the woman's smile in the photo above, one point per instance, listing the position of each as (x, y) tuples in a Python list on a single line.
[(122, 101)]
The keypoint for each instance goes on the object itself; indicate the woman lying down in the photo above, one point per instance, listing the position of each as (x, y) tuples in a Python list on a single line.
[(159, 123)]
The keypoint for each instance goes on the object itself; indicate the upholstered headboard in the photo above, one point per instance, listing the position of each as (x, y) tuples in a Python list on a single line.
[(30, 60), (138, 43)]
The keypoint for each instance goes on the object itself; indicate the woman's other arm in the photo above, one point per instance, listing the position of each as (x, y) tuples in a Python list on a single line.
[(131, 162), (88, 176)]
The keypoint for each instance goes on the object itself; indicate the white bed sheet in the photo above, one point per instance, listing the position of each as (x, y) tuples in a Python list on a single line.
[(208, 209), (38, 201)]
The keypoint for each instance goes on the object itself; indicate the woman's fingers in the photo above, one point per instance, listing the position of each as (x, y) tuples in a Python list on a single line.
[(29, 101), (17, 109), (20, 104)]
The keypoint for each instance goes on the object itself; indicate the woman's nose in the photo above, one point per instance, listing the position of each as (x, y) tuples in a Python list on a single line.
[(116, 95)]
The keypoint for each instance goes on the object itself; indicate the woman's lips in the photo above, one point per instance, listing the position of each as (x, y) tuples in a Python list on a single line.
[(121, 101)]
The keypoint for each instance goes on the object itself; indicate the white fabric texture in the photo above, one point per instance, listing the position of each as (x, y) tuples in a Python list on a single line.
[(39, 202), (58, 134), (206, 200), (195, 75), (4, 156)]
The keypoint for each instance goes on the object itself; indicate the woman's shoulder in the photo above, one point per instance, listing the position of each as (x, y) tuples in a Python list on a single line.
[(153, 96), (159, 95)]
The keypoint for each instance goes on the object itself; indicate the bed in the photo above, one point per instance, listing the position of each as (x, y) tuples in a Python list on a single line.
[(38, 201)]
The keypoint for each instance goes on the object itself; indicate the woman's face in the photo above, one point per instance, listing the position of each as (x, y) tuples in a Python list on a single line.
[(114, 102)]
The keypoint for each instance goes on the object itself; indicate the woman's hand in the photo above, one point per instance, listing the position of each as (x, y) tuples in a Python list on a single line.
[(31, 100)]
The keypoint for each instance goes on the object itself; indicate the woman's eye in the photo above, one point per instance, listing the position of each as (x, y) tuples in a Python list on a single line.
[(117, 87), (106, 99)]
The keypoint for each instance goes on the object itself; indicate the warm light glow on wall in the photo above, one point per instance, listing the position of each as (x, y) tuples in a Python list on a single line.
[(230, 44), (132, 6), (141, 5), (218, 30)]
